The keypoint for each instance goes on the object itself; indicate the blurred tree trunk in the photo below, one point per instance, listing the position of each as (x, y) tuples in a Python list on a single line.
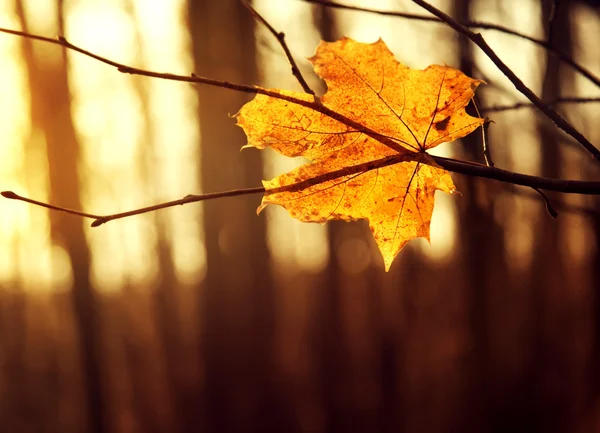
[(550, 404), (482, 260), (593, 403), (14, 396), (185, 411), (237, 305), (165, 303), (51, 114), (357, 353), (330, 351), (594, 396)]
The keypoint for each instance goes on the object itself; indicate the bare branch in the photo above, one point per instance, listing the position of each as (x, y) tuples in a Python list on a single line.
[(558, 120), (472, 25), (517, 105), (545, 183), (468, 168), (280, 36)]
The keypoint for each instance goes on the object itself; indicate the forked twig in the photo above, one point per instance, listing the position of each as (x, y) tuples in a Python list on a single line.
[(558, 120), (280, 36), (558, 204), (487, 156)]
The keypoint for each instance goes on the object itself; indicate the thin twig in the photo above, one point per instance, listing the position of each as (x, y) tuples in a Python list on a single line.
[(519, 85), (557, 203), (518, 105), (101, 219), (549, 208), (14, 196), (473, 169), (487, 154), (280, 36), (472, 25)]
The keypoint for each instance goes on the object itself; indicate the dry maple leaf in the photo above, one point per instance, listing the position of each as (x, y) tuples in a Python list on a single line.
[(369, 160)]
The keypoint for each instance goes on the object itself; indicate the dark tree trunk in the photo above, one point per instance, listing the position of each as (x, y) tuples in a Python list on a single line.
[(594, 396), (52, 115), (237, 305), (481, 259), (549, 393), (330, 350)]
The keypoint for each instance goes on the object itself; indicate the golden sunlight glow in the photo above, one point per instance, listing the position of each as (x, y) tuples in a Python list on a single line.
[(173, 144), (107, 114), (27, 253), (42, 17), (139, 138), (139, 143)]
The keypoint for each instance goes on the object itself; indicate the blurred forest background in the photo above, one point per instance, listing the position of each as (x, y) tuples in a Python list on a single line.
[(208, 318)]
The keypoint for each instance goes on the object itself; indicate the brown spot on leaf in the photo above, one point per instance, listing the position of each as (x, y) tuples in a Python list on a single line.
[(441, 126)]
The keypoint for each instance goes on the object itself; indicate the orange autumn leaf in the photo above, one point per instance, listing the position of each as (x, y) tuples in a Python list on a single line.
[(366, 139)]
